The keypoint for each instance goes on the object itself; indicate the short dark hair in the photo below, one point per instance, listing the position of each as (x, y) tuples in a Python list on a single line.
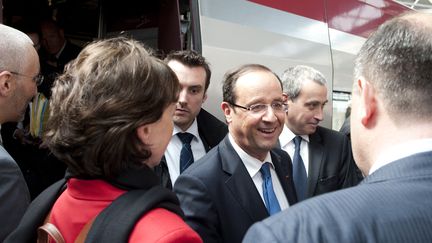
[(397, 61), (231, 77), (113, 87), (191, 58)]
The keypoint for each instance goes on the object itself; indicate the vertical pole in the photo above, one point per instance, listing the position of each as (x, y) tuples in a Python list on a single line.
[(1, 11)]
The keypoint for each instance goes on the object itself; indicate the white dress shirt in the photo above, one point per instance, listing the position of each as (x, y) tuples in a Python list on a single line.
[(286, 140), (172, 153), (253, 167)]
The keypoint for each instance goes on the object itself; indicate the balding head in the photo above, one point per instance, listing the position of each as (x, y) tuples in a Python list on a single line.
[(19, 67), (14, 47)]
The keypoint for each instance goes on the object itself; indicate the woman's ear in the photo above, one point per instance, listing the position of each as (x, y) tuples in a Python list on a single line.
[(143, 133)]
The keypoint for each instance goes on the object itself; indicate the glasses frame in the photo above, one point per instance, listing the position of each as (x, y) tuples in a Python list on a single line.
[(38, 79), (263, 112)]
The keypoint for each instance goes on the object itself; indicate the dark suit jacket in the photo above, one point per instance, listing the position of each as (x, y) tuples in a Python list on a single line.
[(331, 165), (219, 198), (211, 131), (69, 53), (14, 195), (393, 204)]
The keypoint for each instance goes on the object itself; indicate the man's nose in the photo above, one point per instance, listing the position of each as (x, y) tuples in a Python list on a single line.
[(319, 114), (269, 115), (182, 96)]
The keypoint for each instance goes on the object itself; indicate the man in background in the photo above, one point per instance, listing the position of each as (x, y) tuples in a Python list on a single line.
[(391, 133), (322, 158), (202, 130), (19, 75)]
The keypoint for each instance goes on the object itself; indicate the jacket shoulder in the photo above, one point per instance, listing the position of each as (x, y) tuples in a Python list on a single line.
[(148, 228)]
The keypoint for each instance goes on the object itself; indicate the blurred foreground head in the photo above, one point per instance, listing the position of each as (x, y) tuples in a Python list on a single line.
[(392, 87), (111, 110)]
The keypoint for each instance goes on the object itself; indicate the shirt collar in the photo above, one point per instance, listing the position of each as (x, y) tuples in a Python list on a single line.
[(193, 129), (253, 165), (60, 51), (287, 136), (400, 151)]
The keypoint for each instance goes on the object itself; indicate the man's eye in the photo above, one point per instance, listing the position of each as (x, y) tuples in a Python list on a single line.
[(258, 107), (277, 106), (194, 91)]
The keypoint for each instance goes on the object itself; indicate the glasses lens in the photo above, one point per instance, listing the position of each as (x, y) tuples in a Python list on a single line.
[(39, 79), (278, 106), (258, 108)]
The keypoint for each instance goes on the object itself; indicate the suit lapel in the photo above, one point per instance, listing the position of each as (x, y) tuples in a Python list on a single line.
[(240, 184), (283, 167), (316, 153)]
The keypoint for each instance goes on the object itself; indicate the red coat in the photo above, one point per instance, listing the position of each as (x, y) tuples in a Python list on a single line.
[(84, 199)]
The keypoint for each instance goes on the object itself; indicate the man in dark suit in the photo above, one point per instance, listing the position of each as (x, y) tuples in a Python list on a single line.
[(391, 133), (56, 52), (326, 154), (223, 193), (194, 74), (19, 75)]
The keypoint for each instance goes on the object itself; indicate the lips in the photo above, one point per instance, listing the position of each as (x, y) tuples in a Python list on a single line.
[(269, 133), (180, 111)]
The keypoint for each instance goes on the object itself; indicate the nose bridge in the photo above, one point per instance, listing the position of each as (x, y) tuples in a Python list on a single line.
[(183, 95), (269, 114)]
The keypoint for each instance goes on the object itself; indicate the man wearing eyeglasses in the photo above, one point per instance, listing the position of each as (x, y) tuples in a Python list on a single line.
[(243, 179), (19, 77), (322, 159)]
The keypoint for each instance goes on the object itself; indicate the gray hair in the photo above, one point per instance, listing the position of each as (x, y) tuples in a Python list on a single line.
[(14, 47), (397, 61), (294, 77)]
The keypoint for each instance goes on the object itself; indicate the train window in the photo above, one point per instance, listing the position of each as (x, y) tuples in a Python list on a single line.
[(164, 25)]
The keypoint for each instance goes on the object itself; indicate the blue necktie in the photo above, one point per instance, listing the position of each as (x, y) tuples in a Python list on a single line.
[(299, 171), (186, 156), (270, 198)]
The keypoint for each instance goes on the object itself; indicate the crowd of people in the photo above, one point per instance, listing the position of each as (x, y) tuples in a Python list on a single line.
[(140, 160)]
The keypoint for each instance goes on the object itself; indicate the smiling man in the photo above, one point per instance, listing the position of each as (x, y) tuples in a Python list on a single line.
[(323, 161), (203, 129), (243, 179)]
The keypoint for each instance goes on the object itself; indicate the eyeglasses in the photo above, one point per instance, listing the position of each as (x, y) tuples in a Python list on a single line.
[(259, 109), (38, 79)]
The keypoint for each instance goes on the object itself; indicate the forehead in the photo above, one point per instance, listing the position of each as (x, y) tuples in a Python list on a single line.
[(313, 90), (188, 76), (258, 86)]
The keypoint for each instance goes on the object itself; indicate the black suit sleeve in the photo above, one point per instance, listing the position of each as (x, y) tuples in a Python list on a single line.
[(198, 207)]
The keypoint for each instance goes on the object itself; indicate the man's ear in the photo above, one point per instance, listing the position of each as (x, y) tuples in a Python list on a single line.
[(368, 102), (205, 97), (5, 83), (143, 133), (284, 97), (227, 110)]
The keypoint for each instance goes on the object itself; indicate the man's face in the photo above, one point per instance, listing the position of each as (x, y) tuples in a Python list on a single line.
[(256, 134), (52, 38), (307, 110), (26, 87), (192, 94)]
